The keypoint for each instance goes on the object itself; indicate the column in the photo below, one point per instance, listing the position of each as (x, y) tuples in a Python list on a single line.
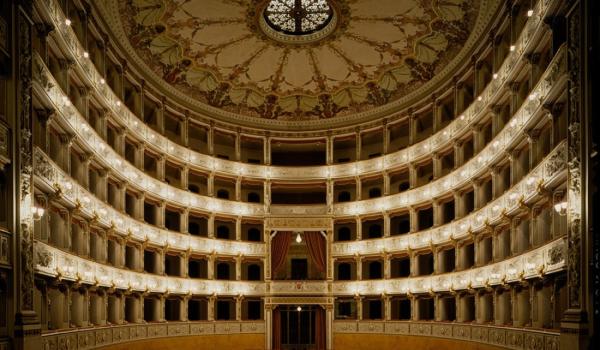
[(267, 150), (63, 78), (535, 71), (437, 113), (386, 266), (437, 213), (358, 261), (238, 145), (478, 141), (497, 121), (387, 308), (329, 148), (238, 188), (414, 220), (532, 140), (238, 307), (358, 190), (412, 128), (412, 175), (386, 224), (210, 138), (329, 312), (238, 228), (514, 97), (42, 31), (211, 307), (120, 141), (268, 326), (160, 167), (210, 266), (160, 214), (211, 226), (437, 165), (238, 267), (160, 115), (358, 144), (210, 184), (45, 117), (386, 136), (64, 160), (359, 308), (386, 183), (458, 153), (459, 98), (184, 221), (358, 228), (185, 172), (185, 129), (330, 195)]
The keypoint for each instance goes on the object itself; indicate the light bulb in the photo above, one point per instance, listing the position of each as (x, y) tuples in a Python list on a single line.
[(495, 76), (38, 212), (299, 308), (561, 208), (86, 54), (512, 48), (298, 239), (102, 81), (529, 13), (68, 22)]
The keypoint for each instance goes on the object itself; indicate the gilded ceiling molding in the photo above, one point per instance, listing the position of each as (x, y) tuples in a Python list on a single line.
[(111, 10)]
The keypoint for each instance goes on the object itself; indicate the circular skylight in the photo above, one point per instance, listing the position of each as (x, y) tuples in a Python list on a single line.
[(298, 17)]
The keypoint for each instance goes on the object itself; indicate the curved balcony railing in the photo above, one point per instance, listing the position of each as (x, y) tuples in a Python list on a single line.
[(51, 261), (102, 336), (550, 82), (52, 177), (497, 336), (203, 162), (549, 172), (535, 263)]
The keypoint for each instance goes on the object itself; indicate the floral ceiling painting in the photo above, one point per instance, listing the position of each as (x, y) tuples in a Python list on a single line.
[(216, 52)]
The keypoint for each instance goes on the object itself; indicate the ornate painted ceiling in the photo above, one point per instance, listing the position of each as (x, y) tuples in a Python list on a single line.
[(218, 53)]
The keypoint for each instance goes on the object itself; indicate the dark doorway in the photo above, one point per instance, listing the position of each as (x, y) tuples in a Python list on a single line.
[(299, 269), (298, 327)]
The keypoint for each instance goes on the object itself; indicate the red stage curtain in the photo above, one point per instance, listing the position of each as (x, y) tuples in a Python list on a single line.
[(320, 329), (279, 249), (315, 242), (276, 329)]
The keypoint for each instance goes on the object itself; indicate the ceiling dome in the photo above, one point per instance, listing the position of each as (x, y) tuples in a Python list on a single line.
[(314, 60)]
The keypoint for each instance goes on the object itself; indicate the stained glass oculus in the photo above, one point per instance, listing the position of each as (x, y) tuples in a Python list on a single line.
[(298, 17)]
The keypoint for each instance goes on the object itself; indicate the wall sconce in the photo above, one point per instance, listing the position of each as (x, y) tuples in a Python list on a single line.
[(38, 212), (298, 238), (561, 208)]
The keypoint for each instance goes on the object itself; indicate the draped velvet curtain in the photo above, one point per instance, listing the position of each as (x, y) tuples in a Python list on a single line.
[(280, 245), (276, 329), (315, 242), (320, 331)]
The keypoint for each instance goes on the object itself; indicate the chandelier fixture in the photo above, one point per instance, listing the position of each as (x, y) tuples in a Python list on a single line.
[(298, 17)]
